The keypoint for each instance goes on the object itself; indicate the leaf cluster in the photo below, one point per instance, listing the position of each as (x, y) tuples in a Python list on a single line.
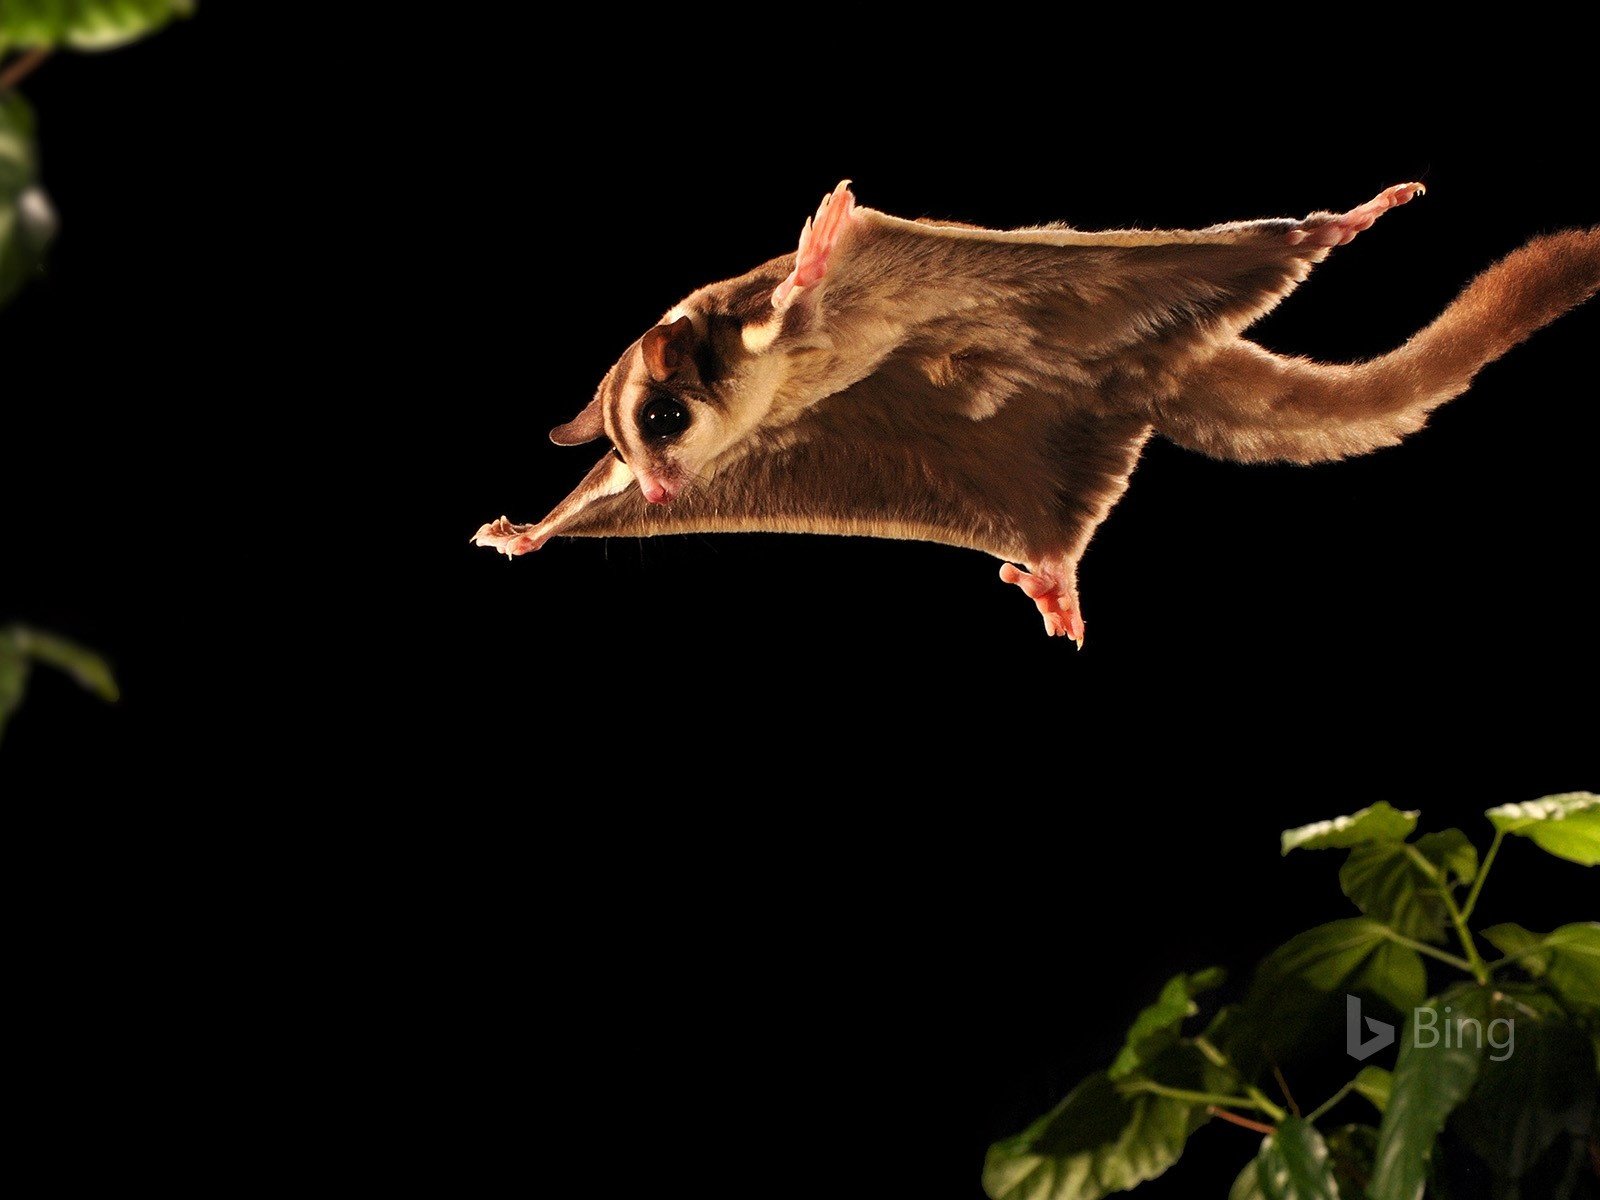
[(1526, 1117)]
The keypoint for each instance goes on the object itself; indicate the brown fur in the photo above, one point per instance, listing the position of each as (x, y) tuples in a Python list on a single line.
[(1250, 405), (993, 390)]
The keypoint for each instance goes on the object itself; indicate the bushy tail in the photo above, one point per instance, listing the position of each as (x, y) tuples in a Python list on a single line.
[(1250, 405)]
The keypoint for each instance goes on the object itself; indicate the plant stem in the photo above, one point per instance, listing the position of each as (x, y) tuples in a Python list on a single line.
[(1517, 957), (1322, 1110), (1216, 1057), (1283, 1086), (1172, 1093), (1265, 1105), (1483, 873), (1479, 969), (1242, 1122), (1257, 1099), (1459, 964), (22, 66)]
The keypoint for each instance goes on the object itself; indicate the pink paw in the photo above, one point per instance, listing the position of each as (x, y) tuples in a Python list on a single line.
[(1055, 601), (511, 540), (1337, 231), (817, 241)]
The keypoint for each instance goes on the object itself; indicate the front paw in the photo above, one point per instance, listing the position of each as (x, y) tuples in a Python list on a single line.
[(511, 540), (817, 241), (1340, 230)]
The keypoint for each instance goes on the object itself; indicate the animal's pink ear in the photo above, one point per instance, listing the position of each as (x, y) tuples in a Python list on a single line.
[(584, 427), (666, 346)]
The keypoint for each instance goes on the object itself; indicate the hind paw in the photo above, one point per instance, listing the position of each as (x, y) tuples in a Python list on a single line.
[(1055, 598)]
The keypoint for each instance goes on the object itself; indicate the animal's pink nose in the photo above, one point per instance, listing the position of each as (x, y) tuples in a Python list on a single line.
[(655, 491)]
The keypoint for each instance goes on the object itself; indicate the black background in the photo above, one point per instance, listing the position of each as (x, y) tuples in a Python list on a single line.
[(755, 858)]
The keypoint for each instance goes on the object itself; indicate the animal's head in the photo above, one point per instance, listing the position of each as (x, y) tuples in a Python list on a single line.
[(678, 399), (730, 358)]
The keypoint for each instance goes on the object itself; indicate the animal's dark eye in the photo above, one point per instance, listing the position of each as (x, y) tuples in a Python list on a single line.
[(663, 417)]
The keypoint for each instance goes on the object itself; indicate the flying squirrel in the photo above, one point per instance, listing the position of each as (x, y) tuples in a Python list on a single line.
[(993, 389)]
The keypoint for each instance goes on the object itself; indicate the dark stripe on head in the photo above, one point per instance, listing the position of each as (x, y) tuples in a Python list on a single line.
[(611, 406), (705, 353)]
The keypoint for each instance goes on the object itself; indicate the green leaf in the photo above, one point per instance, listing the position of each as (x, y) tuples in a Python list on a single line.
[(1542, 1088), (87, 669), (13, 678), (1526, 947), (1430, 1079), (1375, 1084), (1574, 969), (1353, 1149), (1298, 990), (1346, 955), (1294, 1164), (20, 647), (1095, 1142), (1567, 959), (1385, 881), (1567, 826), (84, 24), (1379, 823), (1248, 1185), (1452, 853), (1394, 974), (1157, 1027), (18, 161), (27, 222)]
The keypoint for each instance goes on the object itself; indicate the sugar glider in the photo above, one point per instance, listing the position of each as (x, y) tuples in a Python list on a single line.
[(989, 389)]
